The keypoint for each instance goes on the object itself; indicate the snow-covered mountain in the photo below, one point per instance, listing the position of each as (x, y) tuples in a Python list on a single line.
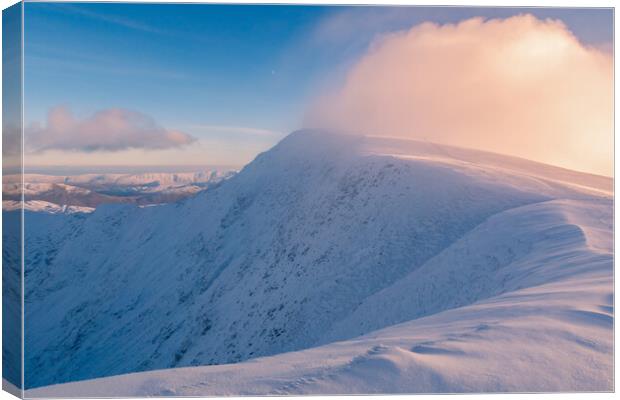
[(155, 180), (43, 206), (85, 192), (332, 264)]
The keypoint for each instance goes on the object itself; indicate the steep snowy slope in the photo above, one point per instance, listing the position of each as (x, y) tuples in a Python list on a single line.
[(553, 334), (324, 238), (551, 329)]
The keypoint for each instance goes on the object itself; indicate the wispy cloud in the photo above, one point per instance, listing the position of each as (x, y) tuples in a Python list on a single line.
[(112, 129), (64, 64), (110, 18), (235, 130), (129, 23), (359, 25)]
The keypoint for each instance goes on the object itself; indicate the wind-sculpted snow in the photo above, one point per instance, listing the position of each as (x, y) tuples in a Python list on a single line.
[(494, 271), (475, 268)]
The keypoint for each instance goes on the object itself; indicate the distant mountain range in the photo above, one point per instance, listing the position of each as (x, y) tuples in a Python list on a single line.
[(83, 193)]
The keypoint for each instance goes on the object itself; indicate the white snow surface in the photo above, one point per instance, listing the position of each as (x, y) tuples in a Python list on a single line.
[(332, 264)]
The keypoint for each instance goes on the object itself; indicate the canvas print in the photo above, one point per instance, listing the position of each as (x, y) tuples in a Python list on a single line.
[(236, 199)]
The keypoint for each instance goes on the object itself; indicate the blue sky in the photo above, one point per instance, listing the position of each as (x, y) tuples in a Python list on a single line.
[(235, 77)]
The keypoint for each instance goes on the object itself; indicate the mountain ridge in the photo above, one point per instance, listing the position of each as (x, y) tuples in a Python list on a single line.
[(275, 259)]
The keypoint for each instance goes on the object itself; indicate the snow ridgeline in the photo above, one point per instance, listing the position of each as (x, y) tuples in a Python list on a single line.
[(333, 267)]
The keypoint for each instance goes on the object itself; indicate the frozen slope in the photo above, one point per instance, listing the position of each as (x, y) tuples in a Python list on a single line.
[(554, 336), (530, 246), (490, 268)]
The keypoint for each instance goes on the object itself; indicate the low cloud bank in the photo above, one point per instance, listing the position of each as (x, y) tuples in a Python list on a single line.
[(519, 86), (112, 129)]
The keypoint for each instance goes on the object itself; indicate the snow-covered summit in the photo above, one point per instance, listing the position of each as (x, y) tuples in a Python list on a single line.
[(328, 237)]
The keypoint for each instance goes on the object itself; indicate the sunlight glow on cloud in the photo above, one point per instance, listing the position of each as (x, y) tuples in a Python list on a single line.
[(519, 86), (112, 129)]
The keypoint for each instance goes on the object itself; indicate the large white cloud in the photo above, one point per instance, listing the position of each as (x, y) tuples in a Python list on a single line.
[(107, 130), (519, 86)]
